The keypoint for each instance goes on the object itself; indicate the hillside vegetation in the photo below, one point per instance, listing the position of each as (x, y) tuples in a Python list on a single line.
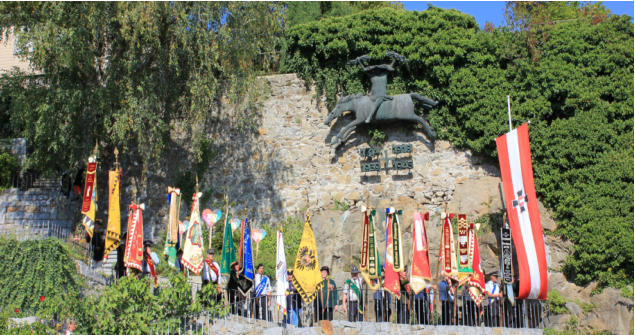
[(573, 79)]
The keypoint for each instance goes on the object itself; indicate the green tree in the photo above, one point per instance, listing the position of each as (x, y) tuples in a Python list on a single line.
[(299, 12), (123, 73)]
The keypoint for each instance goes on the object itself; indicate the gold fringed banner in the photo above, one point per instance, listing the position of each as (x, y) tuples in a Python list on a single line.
[(193, 246), (172, 236), (306, 272), (113, 230)]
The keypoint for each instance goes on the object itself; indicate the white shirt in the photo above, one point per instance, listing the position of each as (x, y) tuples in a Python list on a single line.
[(155, 259), (257, 279), (492, 288), (349, 291), (208, 273)]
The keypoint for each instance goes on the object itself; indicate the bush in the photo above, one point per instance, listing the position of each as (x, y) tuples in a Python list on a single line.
[(38, 277), (556, 303)]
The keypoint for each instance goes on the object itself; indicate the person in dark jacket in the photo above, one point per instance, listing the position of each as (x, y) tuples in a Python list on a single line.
[(294, 303)]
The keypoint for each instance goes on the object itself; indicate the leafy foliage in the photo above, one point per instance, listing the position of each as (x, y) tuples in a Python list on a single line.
[(299, 12), (556, 302), (577, 94), (9, 164), (38, 277), (292, 233), (123, 73)]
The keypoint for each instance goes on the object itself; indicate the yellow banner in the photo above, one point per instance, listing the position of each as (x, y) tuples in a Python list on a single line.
[(306, 270), (113, 230)]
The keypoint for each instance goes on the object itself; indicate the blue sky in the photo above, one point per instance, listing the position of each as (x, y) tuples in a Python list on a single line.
[(493, 11)]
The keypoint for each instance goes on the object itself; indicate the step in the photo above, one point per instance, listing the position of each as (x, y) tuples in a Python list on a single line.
[(29, 216), (43, 222)]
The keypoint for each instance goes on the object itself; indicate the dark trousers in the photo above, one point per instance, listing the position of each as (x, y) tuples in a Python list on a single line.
[(260, 308), (470, 313), (382, 310), (353, 312), (447, 312), (422, 310), (325, 313), (403, 312), (493, 314)]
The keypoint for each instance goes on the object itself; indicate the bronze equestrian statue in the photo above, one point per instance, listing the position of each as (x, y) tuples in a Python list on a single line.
[(377, 106)]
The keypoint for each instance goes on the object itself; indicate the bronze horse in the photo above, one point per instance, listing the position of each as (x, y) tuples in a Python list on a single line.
[(400, 107)]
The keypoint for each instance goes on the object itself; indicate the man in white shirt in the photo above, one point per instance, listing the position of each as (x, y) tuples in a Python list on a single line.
[(150, 262), (262, 293), (211, 272), (353, 296), (493, 292)]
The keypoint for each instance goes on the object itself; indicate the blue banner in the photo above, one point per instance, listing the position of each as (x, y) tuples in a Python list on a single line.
[(247, 261)]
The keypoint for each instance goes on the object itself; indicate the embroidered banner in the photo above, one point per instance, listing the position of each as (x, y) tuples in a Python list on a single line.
[(447, 253), (476, 283), (391, 279), (113, 230), (514, 157), (464, 260), (89, 205), (229, 250), (193, 246), (89, 184), (396, 242), (420, 275), (172, 232), (306, 272), (370, 266), (133, 255)]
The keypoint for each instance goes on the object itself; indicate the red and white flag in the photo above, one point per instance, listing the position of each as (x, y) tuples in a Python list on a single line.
[(514, 157)]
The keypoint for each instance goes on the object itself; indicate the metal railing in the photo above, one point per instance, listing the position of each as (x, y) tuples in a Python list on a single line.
[(33, 180), (380, 306)]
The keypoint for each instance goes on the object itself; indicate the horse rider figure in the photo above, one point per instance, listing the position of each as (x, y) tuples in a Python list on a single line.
[(379, 78)]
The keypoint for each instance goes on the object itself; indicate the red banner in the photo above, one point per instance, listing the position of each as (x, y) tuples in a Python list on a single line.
[(133, 255), (514, 157), (88, 187), (391, 279), (420, 274), (476, 282)]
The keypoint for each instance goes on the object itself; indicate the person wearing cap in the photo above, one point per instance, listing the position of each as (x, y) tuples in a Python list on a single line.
[(493, 293), (327, 295), (211, 272), (352, 294), (294, 303), (150, 262)]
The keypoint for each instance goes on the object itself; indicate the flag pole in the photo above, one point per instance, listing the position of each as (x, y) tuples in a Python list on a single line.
[(509, 113)]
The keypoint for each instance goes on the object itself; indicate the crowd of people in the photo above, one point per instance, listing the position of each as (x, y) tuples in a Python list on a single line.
[(257, 299)]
